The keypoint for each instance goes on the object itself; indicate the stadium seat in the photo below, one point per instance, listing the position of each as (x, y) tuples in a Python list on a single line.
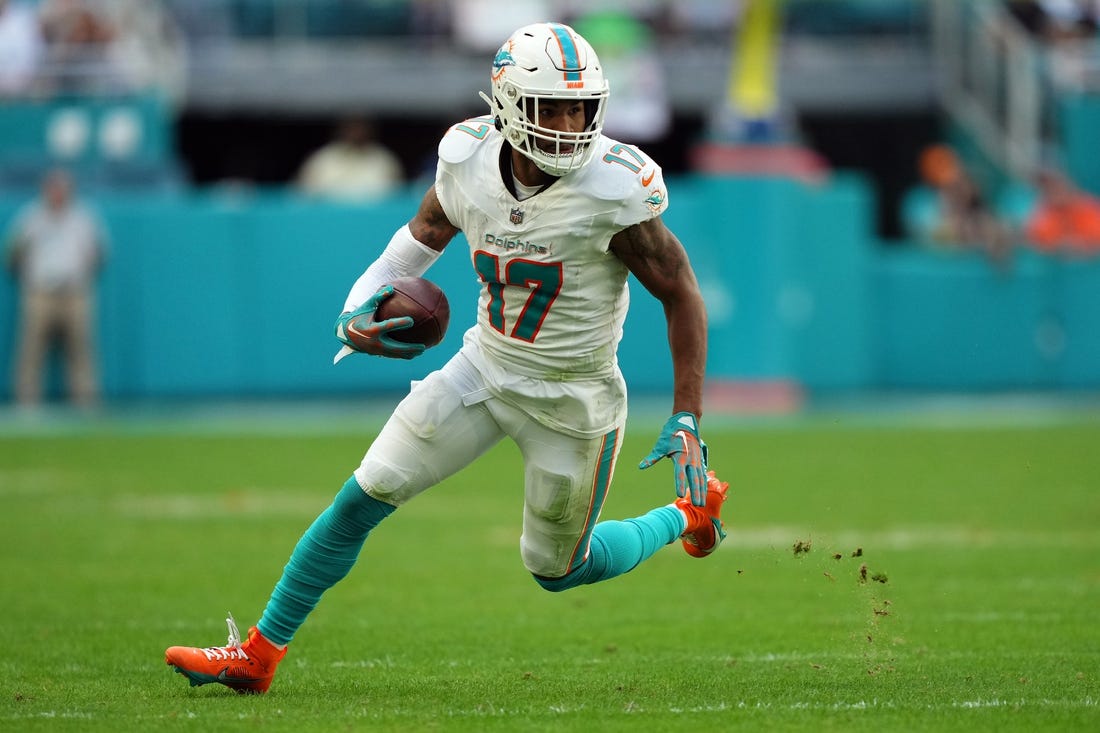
[(357, 18), (1014, 203), (253, 18), (919, 212)]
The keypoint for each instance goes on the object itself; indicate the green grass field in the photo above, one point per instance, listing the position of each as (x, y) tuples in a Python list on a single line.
[(881, 575)]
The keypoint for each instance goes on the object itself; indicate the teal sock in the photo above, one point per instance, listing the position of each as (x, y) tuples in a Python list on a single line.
[(324, 555), (620, 546)]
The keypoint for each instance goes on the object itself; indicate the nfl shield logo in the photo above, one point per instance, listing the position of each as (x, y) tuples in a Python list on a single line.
[(516, 217)]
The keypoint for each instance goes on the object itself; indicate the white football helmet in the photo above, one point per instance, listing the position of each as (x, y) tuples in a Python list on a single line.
[(547, 61)]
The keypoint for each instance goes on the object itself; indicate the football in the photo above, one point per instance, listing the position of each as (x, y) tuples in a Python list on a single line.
[(425, 303)]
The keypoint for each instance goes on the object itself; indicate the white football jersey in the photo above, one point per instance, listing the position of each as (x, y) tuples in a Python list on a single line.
[(553, 298)]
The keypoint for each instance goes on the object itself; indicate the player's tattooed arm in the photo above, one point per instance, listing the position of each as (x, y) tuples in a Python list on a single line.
[(656, 257), (430, 225)]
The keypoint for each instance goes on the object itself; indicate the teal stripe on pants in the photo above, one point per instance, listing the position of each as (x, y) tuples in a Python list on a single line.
[(600, 486)]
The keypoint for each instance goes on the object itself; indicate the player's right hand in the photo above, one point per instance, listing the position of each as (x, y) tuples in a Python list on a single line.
[(359, 331)]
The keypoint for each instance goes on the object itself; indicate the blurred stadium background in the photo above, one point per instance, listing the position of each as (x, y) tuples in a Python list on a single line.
[(789, 131)]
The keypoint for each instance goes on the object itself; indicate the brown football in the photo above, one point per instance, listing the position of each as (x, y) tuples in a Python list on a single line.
[(424, 302)]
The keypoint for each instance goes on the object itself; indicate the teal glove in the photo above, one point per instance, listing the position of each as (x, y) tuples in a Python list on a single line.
[(359, 331), (679, 440)]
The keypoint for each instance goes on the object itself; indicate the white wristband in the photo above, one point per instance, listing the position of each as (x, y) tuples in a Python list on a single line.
[(404, 256)]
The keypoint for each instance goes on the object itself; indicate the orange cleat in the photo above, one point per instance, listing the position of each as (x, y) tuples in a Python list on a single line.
[(247, 668), (705, 530)]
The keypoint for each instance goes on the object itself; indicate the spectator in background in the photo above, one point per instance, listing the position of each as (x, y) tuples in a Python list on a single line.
[(1067, 30), (55, 249), (78, 43), (353, 167), (1054, 20), (148, 50), (1065, 218), (21, 47), (961, 217)]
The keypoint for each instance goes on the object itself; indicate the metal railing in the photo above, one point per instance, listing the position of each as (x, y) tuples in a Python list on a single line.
[(991, 80)]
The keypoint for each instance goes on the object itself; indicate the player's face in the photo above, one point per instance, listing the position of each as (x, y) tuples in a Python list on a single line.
[(560, 116)]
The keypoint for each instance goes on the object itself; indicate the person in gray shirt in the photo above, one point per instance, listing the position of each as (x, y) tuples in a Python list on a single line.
[(56, 247)]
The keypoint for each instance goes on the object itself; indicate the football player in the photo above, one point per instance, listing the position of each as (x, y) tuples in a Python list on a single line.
[(556, 216)]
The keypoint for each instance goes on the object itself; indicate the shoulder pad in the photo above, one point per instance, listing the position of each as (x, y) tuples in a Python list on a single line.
[(460, 142), (624, 173), (618, 171)]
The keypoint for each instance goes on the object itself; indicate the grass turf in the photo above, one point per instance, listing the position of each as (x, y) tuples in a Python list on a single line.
[(877, 577)]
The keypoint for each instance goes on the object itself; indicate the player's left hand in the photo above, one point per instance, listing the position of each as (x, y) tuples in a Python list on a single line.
[(679, 440)]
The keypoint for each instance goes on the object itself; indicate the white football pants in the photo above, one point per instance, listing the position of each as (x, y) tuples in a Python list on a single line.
[(449, 419)]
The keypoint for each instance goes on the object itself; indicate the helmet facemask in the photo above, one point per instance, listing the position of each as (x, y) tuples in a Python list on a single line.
[(548, 62)]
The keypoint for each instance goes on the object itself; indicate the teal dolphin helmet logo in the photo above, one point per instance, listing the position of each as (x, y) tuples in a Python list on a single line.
[(502, 59)]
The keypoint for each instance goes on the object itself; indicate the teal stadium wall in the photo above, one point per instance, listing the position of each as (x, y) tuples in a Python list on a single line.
[(107, 142), (1078, 121), (234, 293)]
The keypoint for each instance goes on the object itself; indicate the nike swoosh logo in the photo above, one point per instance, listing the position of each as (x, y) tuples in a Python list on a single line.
[(350, 328), (223, 676), (646, 180)]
